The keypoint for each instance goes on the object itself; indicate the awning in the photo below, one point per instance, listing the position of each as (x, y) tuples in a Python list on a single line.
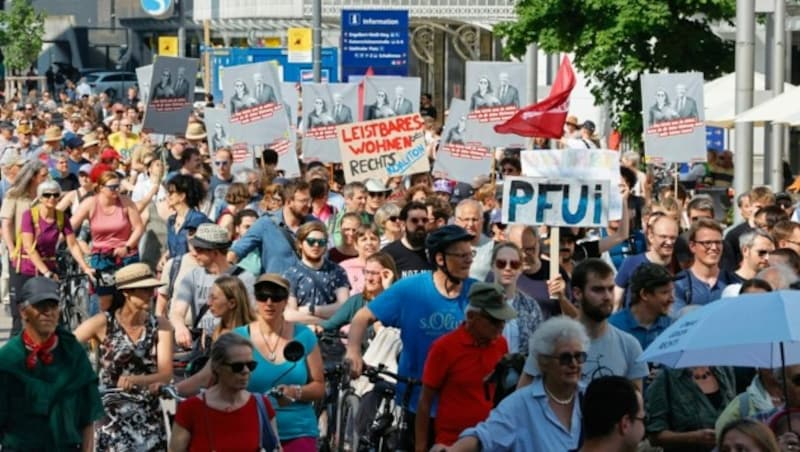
[(778, 109), (719, 96)]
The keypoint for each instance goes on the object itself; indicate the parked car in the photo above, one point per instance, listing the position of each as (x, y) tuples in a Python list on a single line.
[(115, 84)]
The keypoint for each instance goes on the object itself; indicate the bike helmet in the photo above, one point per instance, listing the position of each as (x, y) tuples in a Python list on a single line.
[(438, 240)]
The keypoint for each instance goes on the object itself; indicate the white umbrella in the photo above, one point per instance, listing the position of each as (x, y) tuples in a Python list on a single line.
[(754, 330), (775, 109)]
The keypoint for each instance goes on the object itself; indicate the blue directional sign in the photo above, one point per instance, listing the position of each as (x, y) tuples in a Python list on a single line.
[(715, 138), (377, 39), (159, 9)]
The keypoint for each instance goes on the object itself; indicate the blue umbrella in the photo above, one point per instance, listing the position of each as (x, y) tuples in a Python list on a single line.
[(753, 330)]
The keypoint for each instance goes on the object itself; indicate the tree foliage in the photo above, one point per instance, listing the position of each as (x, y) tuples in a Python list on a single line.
[(615, 41), (21, 34)]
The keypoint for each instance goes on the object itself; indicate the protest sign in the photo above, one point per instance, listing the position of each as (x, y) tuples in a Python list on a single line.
[(383, 148), (171, 94), (673, 117), (578, 164), (143, 76), (496, 90), (555, 202), (291, 99), (217, 128), (253, 96), (386, 97), (456, 159), (326, 106)]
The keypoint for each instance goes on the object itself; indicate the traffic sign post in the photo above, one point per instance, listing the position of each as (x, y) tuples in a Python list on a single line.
[(377, 39)]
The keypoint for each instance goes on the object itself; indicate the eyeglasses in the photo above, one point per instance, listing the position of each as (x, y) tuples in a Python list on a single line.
[(316, 242), (708, 244), (566, 358), (222, 162), (264, 297), (112, 187), (461, 256), (503, 263), (418, 221), (51, 195), (238, 367)]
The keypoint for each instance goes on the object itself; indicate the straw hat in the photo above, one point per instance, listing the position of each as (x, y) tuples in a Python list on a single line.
[(23, 129), (90, 139), (136, 276), (195, 132), (53, 133)]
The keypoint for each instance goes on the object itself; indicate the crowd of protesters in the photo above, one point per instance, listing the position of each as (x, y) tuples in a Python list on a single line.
[(188, 257)]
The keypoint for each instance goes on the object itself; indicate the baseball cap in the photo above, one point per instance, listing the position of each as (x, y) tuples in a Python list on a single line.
[(491, 298), (588, 125), (74, 142), (39, 289), (273, 278), (86, 168), (443, 185)]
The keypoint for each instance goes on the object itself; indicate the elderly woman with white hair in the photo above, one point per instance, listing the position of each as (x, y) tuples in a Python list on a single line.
[(545, 415), (40, 228)]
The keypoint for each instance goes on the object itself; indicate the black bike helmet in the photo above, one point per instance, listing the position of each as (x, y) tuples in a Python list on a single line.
[(438, 240)]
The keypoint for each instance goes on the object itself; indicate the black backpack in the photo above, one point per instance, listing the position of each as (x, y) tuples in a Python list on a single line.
[(505, 375)]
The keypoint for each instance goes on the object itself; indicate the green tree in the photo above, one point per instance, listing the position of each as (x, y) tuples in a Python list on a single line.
[(615, 41), (21, 35)]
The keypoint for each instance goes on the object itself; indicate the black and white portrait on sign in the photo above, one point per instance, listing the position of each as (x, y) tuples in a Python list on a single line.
[(263, 93), (163, 89), (181, 85), (455, 135), (685, 105), (495, 90), (219, 129), (341, 112), (319, 116), (662, 110), (241, 98), (385, 97)]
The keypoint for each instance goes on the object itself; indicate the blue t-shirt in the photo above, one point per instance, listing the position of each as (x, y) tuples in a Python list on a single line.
[(422, 314), (75, 167), (625, 272), (298, 419), (625, 321), (634, 245)]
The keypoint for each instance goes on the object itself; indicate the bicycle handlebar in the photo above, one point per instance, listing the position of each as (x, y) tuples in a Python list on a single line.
[(374, 373)]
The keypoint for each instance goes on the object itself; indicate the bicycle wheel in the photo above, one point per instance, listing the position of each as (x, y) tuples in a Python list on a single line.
[(346, 431)]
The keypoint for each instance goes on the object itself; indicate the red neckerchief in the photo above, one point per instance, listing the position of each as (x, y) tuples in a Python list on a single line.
[(39, 352)]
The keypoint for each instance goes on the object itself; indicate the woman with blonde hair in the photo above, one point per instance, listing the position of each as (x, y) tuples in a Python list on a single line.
[(236, 199), (228, 301), (747, 435)]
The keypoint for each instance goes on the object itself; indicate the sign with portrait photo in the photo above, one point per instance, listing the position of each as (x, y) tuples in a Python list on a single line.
[(326, 105), (495, 91), (171, 95), (387, 97), (144, 75), (457, 159), (383, 148), (218, 129), (673, 117)]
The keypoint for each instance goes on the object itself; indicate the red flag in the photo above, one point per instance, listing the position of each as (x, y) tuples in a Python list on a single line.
[(546, 118), (369, 73)]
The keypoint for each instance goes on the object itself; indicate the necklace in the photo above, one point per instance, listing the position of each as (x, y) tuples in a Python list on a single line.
[(271, 356), (556, 399)]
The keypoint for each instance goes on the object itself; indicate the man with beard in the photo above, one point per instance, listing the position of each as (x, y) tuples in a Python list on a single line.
[(273, 234), (319, 286), (409, 252), (611, 350), (661, 237), (703, 282)]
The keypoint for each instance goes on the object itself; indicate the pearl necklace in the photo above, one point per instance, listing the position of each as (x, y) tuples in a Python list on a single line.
[(556, 399)]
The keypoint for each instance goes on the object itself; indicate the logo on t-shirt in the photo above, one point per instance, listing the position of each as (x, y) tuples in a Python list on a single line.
[(438, 322)]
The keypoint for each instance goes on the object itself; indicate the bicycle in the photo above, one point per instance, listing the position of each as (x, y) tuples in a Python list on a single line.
[(340, 404), (73, 287), (389, 429)]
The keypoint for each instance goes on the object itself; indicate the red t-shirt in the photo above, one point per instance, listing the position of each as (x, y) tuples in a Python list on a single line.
[(456, 367), (236, 430)]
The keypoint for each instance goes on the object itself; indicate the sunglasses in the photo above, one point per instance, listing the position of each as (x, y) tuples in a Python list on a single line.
[(394, 218), (238, 367), (503, 263), (417, 221), (316, 242), (50, 195), (265, 296), (112, 187), (222, 162), (565, 359)]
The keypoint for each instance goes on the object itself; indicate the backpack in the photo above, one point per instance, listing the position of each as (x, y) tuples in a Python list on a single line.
[(504, 377), (60, 220)]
